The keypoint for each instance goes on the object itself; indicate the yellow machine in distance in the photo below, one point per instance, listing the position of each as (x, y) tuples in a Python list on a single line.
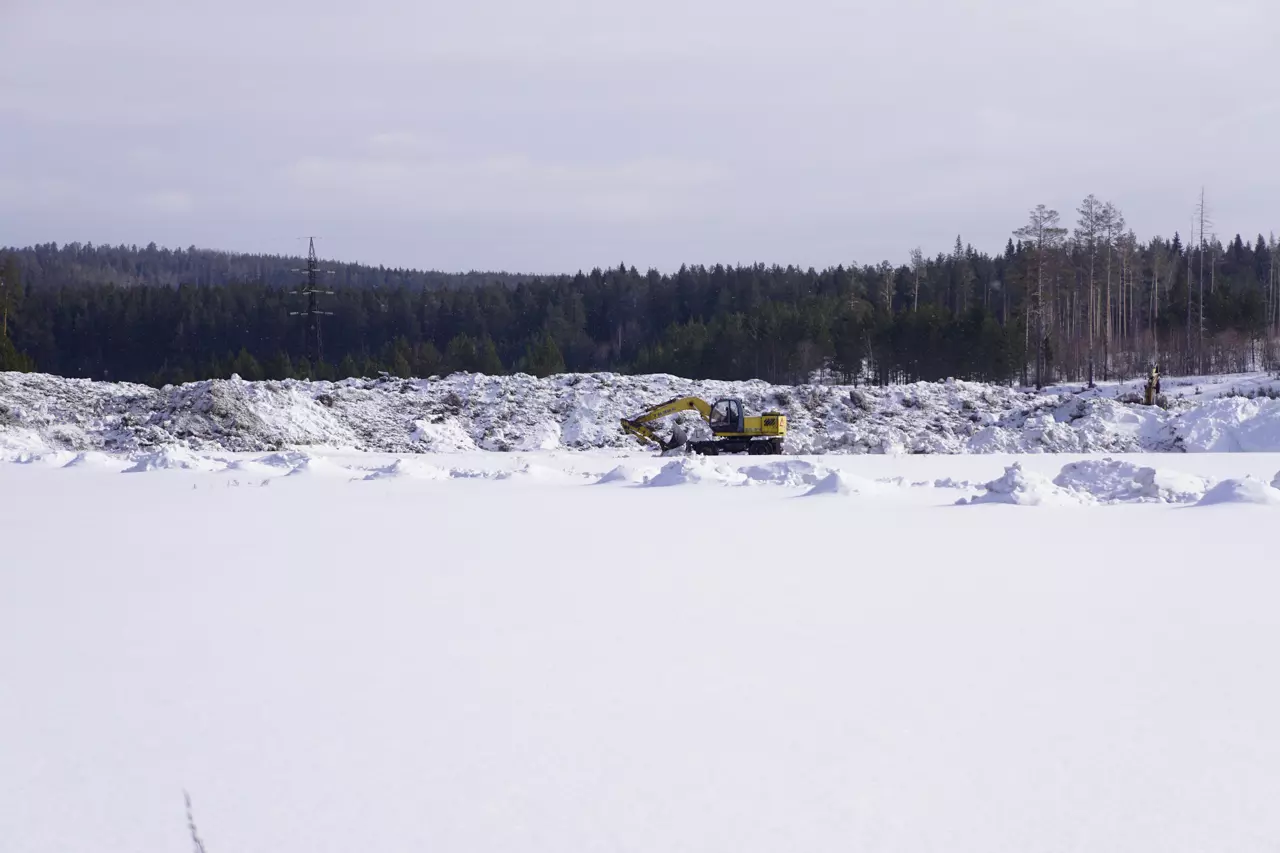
[(733, 431)]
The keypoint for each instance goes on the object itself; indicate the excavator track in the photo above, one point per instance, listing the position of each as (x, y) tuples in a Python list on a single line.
[(752, 447)]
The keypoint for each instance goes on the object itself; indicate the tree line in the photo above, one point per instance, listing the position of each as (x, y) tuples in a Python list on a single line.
[(1058, 304)]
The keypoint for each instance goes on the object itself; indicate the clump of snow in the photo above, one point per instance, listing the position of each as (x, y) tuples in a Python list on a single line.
[(1115, 481), (951, 483), (1275, 482), (53, 458), (445, 436), (788, 472), (629, 474), (93, 459), (407, 468), (175, 458), (1249, 490), (1026, 488), (839, 483), (690, 470), (1230, 425), (318, 466)]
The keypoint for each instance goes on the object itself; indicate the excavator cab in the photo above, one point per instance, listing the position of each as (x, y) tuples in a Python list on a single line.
[(726, 416)]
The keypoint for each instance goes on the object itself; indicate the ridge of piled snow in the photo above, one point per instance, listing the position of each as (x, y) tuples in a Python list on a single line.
[(465, 412), (407, 468), (1026, 488), (1113, 481), (1230, 425), (840, 483), (629, 474), (691, 470), (173, 458), (1249, 490), (788, 472)]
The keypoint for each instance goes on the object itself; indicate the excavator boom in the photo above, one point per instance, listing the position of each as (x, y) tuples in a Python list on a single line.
[(733, 432), (639, 425)]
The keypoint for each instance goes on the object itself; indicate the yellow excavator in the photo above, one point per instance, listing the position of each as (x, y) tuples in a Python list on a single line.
[(733, 432)]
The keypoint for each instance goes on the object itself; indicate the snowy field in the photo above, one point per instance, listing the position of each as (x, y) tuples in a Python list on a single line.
[(608, 651)]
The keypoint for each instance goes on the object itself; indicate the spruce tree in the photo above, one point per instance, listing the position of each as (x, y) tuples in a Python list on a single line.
[(543, 358)]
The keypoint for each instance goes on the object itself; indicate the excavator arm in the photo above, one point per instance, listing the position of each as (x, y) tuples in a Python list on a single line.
[(639, 426)]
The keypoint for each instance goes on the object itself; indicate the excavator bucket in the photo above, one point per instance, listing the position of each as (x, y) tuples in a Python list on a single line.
[(677, 441)]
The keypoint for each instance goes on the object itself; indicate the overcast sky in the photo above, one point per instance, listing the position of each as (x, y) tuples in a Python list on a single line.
[(564, 134)]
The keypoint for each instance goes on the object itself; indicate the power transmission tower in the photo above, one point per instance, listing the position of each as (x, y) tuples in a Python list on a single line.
[(196, 844), (312, 343)]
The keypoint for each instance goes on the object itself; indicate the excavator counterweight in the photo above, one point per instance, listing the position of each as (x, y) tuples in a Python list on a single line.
[(732, 431)]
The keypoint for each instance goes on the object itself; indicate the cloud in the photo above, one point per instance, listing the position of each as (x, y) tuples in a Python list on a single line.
[(404, 172), (169, 201)]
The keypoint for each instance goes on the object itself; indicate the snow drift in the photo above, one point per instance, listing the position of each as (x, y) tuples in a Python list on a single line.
[(466, 412)]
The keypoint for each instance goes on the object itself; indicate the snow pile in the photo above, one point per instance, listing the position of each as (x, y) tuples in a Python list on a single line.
[(443, 436), (628, 474), (1026, 488), (1110, 481), (318, 466), (790, 472), (1231, 425), (465, 412), (691, 470), (174, 458), (407, 468), (839, 483), (1249, 490), (93, 459)]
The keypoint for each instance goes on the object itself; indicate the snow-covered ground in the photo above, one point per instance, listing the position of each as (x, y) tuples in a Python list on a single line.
[(602, 650), (467, 412)]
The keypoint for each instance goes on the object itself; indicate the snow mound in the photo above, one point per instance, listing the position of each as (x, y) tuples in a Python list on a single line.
[(94, 459), (1111, 481), (789, 472), (1231, 425), (318, 466), (176, 458), (1275, 482), (543, 473), (1026, 488), (54, 459), (628, 474), (951, 483), (691, 470), (838, 483), (1250, 490), (407, 469), (445, 436)]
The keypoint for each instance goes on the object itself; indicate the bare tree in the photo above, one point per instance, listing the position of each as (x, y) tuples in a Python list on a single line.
[(1044, 235), (1202, 214), (1112, 225), (1090, 211), (917, 267)]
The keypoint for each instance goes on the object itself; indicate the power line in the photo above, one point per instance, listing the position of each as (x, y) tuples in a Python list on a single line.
[(312, 343)]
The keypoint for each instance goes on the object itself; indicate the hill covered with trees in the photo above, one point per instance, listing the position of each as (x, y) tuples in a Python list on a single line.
[(1056, 304)]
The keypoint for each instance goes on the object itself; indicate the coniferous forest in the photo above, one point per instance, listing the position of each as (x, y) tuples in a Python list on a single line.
[(1064, 301)]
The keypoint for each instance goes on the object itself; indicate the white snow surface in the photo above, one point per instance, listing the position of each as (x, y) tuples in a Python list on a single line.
[(465, 412), (480, 652)]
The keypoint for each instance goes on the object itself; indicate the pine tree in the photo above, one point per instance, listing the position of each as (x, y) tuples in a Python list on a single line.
[(347, 368), (246, 366), (11, 359), (10, 291), (487, 360), (543, 358)]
